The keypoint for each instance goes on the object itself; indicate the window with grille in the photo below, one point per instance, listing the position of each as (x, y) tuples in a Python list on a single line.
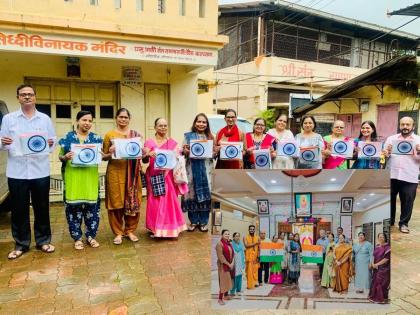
[(44, 108), (63, 111), (161, 6)]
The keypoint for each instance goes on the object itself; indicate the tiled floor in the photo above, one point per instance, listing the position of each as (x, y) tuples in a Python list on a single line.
[(162, 277), (142, 278)]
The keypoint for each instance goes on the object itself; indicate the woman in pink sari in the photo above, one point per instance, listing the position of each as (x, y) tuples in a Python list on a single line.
[(164, 217), (334, 161), (258, 140)]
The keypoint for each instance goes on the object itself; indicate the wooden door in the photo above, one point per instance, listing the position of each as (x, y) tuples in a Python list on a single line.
[(157, 105), (387, 122), (352, 123), (63, 99)]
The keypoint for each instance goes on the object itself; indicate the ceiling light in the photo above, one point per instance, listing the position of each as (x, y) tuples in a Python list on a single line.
[(273, 181), (358, 203), (372, 194), (253, 201), (364, 199), (333, 179)]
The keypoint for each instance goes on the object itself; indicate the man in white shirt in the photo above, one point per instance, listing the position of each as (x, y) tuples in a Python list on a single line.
[(28, 175), (404, 173), (264, 266)]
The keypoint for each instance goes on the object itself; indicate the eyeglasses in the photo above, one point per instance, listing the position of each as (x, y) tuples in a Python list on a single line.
[(230, 117), (339, 127), (26, 94)]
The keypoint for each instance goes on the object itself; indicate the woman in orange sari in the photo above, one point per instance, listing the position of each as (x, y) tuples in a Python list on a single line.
[(342, 265)]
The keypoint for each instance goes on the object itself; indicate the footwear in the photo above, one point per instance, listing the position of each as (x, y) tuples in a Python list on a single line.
[(221, 302), (92, 242), (359, 291), (46, 248), (203, 228), (14, 254), (192, 227), (79, 245), (132, 237), (404, 229), (118, 240)]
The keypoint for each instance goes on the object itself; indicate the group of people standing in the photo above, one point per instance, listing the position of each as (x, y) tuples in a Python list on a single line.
[(238, 258), (369, 267), (29, 179)]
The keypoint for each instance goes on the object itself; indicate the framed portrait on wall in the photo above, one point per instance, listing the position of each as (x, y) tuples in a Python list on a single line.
[(346, 205), (263, 206), (303, 204)]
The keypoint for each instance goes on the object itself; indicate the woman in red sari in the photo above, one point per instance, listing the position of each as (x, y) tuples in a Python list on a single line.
[(381, 267), (258, 140), (225, 266), (230, 133)]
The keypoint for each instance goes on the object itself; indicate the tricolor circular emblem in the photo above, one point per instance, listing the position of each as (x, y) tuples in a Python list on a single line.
[(37, 144)]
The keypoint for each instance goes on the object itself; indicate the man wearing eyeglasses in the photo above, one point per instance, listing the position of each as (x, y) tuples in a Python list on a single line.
[(28, 174), (334, 161)]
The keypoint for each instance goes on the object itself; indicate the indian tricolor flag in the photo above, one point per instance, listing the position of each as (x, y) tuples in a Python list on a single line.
[(312, 254), (271, 252)]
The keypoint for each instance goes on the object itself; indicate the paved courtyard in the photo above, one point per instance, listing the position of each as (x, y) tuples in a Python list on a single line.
[(148, 277), (156, 276)]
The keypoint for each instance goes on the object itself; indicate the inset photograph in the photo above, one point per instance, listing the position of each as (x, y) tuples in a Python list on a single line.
[(301, 239)]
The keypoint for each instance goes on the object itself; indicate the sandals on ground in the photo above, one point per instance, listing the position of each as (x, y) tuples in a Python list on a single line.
[(192, 227), (92, 242), (79, 245), (132, 237), (14, 254), (118, 240), (46, 248), (203, 228)]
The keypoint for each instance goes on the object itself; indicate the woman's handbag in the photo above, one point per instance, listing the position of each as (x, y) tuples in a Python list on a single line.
[(180, 171), (158, 184)]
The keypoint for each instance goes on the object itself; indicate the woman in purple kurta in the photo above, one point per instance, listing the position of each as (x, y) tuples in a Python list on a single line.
[(381, 271)]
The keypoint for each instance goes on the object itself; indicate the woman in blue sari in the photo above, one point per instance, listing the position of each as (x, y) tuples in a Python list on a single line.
[(363, 256), (294, 251), (197, 202)]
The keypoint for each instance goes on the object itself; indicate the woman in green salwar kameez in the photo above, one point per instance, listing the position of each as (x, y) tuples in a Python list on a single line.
[(327, 273)]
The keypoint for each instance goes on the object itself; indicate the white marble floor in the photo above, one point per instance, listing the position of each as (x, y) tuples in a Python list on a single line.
[(260, 298)]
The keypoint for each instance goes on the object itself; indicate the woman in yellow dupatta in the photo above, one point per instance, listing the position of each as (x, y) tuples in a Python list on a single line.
[(342, 265)]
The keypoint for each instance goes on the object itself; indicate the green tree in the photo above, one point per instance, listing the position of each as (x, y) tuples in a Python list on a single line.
[(269, 115)]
